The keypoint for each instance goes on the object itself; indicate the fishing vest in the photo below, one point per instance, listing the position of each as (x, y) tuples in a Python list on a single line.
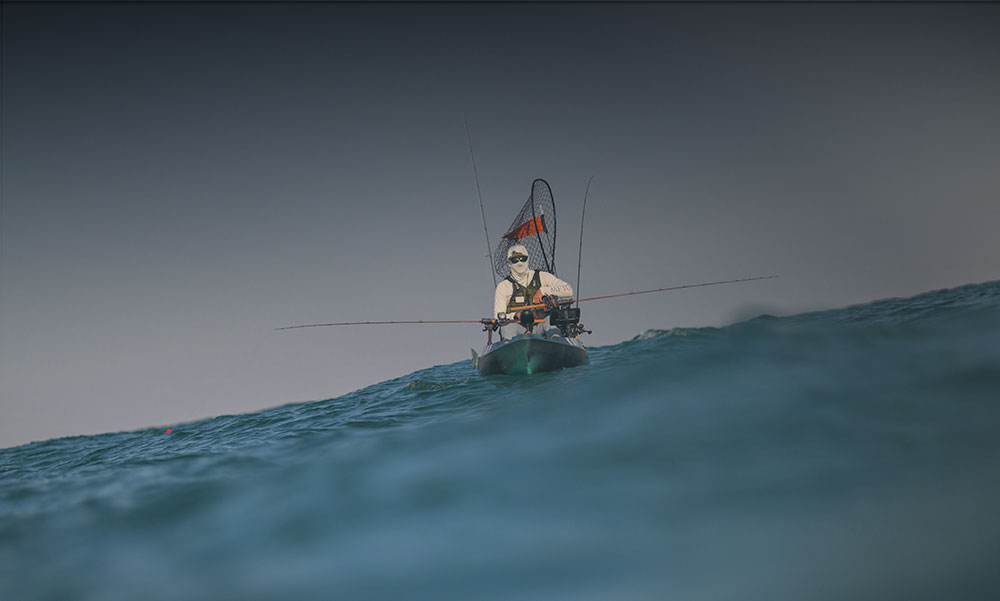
[(521, 297)]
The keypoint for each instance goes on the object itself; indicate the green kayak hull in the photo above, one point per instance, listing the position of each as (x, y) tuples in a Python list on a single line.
[(532, 354)]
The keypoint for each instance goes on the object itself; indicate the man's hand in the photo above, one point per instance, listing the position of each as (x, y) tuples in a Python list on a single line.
[(537, 298)]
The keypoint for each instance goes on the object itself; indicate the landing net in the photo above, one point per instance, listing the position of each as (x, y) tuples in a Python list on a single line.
[(535, 228)]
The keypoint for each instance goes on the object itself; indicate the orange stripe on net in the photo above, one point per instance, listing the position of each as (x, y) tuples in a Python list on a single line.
[(526, 229)]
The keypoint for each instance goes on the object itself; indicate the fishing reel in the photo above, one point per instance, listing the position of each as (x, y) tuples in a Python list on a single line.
[(490, 326), (567, 318), (526, 317)]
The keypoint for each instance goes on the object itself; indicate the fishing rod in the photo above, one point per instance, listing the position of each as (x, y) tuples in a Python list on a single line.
[(579, 256), (580, 300), (381, 323), (489, 323), (475, 172)]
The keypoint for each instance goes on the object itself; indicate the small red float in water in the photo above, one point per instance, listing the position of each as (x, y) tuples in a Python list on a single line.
[(169, 430)]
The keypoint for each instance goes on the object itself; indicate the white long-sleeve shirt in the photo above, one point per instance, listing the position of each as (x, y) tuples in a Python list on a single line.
[(551, 286)]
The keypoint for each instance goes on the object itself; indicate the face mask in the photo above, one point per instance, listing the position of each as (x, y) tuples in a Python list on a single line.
[(520, 268)]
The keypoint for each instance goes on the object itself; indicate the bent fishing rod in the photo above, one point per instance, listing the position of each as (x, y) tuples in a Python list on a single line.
[(489, 321), (475, 173), (579, 255)]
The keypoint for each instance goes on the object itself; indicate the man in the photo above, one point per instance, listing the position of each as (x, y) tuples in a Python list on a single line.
[(524, 286)]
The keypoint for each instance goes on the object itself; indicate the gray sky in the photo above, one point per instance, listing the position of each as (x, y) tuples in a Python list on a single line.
[(178, 180)]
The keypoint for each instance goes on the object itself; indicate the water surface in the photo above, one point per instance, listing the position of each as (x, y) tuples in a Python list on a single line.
[(845, 454)]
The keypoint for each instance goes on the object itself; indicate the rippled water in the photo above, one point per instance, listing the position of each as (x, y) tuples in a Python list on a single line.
[(846, 454)]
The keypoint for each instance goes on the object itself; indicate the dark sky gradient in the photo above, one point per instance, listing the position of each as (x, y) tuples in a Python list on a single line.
[(178, 180)]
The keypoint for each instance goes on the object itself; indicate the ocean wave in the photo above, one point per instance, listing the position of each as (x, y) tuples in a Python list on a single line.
[(844, 453)]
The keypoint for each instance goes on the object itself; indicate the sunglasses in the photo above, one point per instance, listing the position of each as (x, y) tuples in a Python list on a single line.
[(518, 259)]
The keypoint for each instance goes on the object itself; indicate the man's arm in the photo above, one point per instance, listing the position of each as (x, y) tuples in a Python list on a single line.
[(553, 286)]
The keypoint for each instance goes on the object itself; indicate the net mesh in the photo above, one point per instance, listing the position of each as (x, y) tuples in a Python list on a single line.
[(535, 228)]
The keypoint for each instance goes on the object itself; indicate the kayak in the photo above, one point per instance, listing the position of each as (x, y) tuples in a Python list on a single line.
[(530, 354)]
